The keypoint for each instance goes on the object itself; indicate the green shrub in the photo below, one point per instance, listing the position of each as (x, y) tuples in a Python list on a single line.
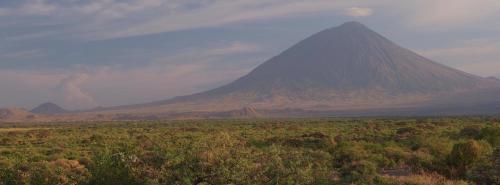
[(491, 134), (471, 132), (283, 151), (113, 168), (465, 154)]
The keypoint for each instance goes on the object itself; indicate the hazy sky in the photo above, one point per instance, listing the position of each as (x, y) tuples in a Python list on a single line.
[(87, 53)]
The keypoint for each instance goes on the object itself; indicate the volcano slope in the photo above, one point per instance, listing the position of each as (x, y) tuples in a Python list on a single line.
[(349, 68)]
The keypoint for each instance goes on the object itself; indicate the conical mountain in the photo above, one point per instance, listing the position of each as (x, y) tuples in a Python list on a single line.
[(48, 109), (345, 67), (348, 58), (348, 64)]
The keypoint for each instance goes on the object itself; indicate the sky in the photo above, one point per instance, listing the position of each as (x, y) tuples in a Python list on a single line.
[(86, 53)]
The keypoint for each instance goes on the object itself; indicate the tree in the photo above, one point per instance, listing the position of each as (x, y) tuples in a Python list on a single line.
[(464, 155)]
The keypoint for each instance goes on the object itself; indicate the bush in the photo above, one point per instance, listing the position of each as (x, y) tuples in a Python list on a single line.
[(492, 135), (487, 172), (113, 168), (470, 132), (465, 154), (295, 151), (359, 172), (62, 172)]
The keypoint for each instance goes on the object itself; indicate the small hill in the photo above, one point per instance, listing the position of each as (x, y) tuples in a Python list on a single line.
[(49, 109), (246, 112), (493, 78), (15, 114)]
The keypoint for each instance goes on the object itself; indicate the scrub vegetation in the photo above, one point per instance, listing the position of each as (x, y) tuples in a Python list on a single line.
[(458, 150)]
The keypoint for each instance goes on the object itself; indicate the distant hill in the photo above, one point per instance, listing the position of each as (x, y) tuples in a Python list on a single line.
[(246, 112), (493, 78), (15, 114), (49, 109), (349, 67)]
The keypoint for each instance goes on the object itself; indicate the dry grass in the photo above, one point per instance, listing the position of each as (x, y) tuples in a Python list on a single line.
[(422, 179), (19, 129)]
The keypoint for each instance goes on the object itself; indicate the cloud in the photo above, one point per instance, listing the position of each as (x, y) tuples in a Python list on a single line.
[(477, 56), (443, 14), (27, 88), (472, 49), (234, 48), (218, 50), (358, 12), (102, 19), (484, 68), (30, 8), (36, 7), (110, 10), (464, 53), (219, 13), (188, 71), (25, 54), (71, 94)]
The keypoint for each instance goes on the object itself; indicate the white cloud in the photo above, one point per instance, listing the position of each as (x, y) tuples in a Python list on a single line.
[(358, 12), (70, 92), (27, 88), (189, 71), (186, 72)]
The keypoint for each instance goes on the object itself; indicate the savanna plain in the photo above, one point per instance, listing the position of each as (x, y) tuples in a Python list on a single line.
[(452, 150)]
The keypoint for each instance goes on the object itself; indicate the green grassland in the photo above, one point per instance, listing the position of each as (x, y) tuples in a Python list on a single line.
[(460, 150)]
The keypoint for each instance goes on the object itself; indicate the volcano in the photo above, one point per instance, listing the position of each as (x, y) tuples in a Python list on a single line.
[(349, 67), (48, 109)]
